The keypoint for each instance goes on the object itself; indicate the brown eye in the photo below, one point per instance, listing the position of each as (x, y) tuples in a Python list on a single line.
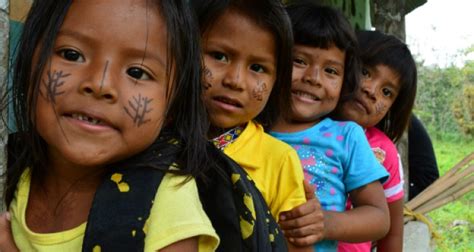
[(387, 92), (71, 55), (365, 73), (138, 73)]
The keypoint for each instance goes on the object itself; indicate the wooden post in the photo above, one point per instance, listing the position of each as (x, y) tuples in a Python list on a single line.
[(389, 17)]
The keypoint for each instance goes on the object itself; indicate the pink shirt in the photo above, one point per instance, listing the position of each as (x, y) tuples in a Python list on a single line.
[(387, 154)]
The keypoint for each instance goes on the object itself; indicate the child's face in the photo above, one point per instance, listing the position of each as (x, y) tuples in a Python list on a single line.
[(379, 89), (318, 75), (103, 93), (240, 63)]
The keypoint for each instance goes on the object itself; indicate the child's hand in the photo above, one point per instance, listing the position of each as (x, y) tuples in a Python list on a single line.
[(6, 238), (304, 225)]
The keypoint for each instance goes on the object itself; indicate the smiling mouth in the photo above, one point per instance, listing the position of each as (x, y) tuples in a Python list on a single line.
[(305, 95), (85, 118), (228, 101)]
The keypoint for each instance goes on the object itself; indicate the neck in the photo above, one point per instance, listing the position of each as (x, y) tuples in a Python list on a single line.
[(60, 176), (289, 125), (215, 131)]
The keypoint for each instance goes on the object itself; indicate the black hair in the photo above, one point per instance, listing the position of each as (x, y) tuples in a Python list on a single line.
[(186, 116), (271, 15), (322, 26), (377, 48)]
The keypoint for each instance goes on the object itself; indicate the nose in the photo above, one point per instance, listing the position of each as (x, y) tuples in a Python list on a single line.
[(311, 77), (369, 89), (234, 77), (101, 84)]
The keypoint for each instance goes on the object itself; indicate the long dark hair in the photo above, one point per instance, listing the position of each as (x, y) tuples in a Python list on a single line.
[(186, 117), (323, 26), (377, 48), (271, 15)]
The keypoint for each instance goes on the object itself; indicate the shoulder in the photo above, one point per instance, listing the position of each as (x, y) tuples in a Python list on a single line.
[(265, 142), (177, 214), (379, 141)]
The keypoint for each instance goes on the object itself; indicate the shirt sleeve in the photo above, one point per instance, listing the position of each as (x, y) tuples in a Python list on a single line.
[(177, 214), (361, 165), (393, 187), (290, 188)]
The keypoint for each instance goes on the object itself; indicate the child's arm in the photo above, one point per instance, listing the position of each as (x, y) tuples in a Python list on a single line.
[(190, 244), (304, 225), (6, 238), (393, 241), (369, 219)]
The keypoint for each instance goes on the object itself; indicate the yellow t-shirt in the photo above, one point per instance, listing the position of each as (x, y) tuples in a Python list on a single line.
[(176, 214), (273, 165)]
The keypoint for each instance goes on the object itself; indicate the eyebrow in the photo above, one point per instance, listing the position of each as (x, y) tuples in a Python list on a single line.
[(132, 51), (333, 62)]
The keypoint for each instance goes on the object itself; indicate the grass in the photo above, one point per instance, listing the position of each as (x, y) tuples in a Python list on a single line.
[(461, 237)]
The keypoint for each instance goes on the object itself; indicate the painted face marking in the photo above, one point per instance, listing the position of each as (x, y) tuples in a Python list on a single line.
[(259, 90), (207, 78), (380, 108), (103, 76), (138, 109), (54, 82)]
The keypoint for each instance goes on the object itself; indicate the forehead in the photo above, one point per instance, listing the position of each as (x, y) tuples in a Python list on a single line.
[(332, 52), (388, 75), (124, 23), (243, 32)]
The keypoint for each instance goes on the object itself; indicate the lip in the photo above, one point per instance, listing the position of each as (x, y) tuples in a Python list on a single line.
[(227, 103), (306, 99), (362, 105), (103, 125)]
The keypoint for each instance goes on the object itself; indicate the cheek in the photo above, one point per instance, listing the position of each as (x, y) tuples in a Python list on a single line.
[(208, 78), (261, 91), (381, 108)]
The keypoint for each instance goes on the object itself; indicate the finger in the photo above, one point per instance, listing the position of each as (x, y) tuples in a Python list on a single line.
[(310, 230), (300, 222), (309, 190), (304, 209), (305, 241)]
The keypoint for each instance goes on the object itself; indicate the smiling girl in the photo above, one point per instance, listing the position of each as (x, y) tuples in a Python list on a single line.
[(107, 101), (335, 155)]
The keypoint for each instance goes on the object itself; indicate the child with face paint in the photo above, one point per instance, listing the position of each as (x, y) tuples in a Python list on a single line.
[(110, 130), (335, 155), (247, 54), (382, 105)]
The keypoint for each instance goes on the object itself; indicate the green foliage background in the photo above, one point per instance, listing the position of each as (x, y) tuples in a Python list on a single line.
[(445, 99), (445, 104)]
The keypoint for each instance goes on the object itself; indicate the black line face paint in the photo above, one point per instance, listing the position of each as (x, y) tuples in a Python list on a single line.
[(138, 109), (54, 81), (207, 78), (103, 75), (259, 90)]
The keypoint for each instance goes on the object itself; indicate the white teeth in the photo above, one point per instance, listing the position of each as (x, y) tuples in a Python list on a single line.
[(90, 120), (306, 95)]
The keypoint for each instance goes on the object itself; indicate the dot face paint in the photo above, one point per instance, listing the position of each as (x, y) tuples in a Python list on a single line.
[(379, 90), (104, 95), (239, 75)]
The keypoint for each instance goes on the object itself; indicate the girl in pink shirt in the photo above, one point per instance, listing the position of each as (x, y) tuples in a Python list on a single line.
[(383, 107)]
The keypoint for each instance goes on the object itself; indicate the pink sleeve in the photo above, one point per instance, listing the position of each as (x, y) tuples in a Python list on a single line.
[(393, 187)]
